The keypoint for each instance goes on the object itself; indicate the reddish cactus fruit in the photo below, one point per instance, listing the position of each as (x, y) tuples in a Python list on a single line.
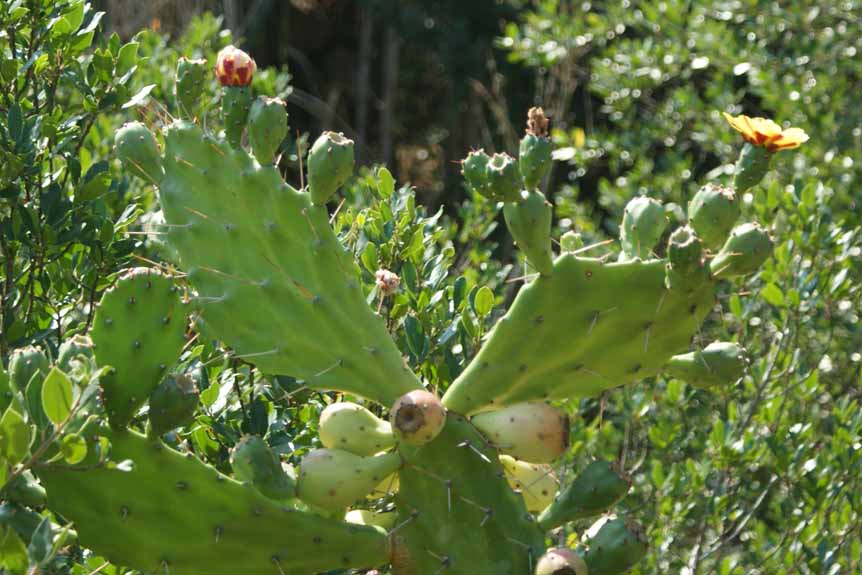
[(234, 67), (418, 417)]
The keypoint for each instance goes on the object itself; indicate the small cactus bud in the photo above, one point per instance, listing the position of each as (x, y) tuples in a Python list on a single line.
[(571, 241), (330, 164), (72, 349), (685, 268), (191, 78), (234, 67), (644, 222), (561, 561), (616, 548), (712, 212), (748, 246), (417, 417), (387, 281), (529, 222), (252, 460), (26, 364), (137, 148), (267, 128), (503, 178), (473, 169), (172, 404), (534, 154), (595, 490), (718, 364), (533, 432)]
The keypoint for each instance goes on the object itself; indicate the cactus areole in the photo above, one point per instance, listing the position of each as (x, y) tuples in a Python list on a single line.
[(464, 480)]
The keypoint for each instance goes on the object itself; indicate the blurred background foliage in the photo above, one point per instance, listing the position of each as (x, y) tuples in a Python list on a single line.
[(764, 477)]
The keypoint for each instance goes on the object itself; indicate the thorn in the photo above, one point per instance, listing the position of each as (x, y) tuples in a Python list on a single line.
[(338, 363), (135, 233), (199, 214), (592, 246), (218, 532), (337, 209), (207, 299), (277, 562), (661, 302), (230, 276), (476, 451), (407, 521), (597, 374), (449, 493), (186, 162), (310, 223), (523, 277), (256, 354), (593, 323)]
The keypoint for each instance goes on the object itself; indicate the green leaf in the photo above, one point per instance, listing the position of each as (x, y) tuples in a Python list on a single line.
[(57, 396), (14, 436), (416, 339), (773, 295), (13, 553), (385, 182), (139, 98), (74, 448), (484, 301), (39, 549), (126, 58)]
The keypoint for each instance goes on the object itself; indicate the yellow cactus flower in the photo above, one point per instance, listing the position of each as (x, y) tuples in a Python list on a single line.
[(767, 134)]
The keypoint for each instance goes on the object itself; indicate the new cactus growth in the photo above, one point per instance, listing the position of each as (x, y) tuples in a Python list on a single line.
[(745, 250), (74, 349), (712, 212), (173, 403), (533, 432), (718, 364), (417, 417), (330, 163), (502, 179), (244, 237), (351, 427), (561, 561), (25, 364), (752, 166), (252, 460), (529, 222), (139, 332), (267, 128), (599, 486), (191, 79), (333, 479), (534, 153), (137, 148), (643, 224), (535, 482)]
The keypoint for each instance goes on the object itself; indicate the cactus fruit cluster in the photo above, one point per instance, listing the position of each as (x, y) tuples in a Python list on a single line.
[(463, 482)]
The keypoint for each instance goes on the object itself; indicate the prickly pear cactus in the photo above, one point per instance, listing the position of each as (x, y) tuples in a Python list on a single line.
[(470, 474)]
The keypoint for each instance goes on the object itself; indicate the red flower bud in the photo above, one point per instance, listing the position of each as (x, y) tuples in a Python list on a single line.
[(234, 67)]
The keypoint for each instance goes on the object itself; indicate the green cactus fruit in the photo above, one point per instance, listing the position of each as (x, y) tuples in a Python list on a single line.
[(330, 164), (74, 349), (191, 78), (137, 148), (718, 364), (748, 246), (571, 242), (173, 404), (473, 168), (616, 548), (644, 222), (561, 561), (138, 330), (24, 489), (529, 222), (534, 481), (751, 167), (685, 268), (503, 178), (417, 417), (252, 460), (5, 389), (384, 520), (267, 128), (534, 154), (389, 486), (712, 212), (235, 107), (172, 512), (25, 364), (533, 432), (353, 428), (599, 486), (332, 479)]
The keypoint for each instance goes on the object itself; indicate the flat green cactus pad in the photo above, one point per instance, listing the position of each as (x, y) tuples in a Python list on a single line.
[(273, 282), (588, 327), (457, 510), (139, 330), (174, 514)]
